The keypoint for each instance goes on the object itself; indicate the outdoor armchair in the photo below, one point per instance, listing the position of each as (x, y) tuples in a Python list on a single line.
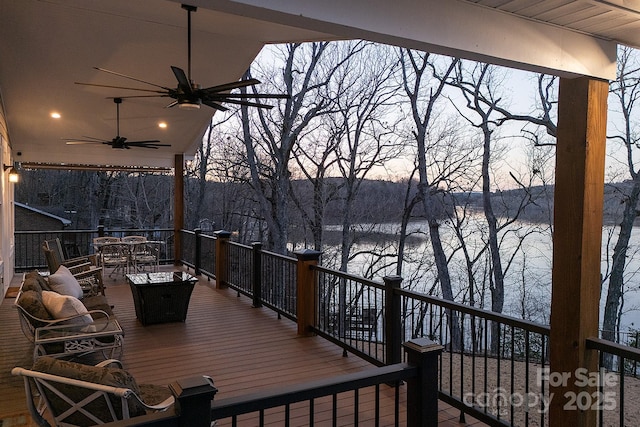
[(56, 246), (73, 394), (87, 274)]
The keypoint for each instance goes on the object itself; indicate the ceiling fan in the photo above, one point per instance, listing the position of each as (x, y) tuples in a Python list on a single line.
[(189, 95), (119, 141)]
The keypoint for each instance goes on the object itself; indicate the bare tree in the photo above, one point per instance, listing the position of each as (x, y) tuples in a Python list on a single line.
[(366, 127), (625, 92), (305, 77), (418, 71), (480, 86)]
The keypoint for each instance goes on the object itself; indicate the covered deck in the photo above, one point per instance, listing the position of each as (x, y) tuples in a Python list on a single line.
[(244, 349)]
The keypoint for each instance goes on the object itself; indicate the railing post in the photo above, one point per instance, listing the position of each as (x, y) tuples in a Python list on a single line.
[(193, 401), (222, 240), (198, 254), (256, 277), (422, 391), (393, 319), (306, 287)]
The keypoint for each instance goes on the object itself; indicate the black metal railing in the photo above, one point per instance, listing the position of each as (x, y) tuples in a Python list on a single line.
[(351, 312), (492, 367), (618, 369), (338, 398), (189, 254), (240, 268), (28, 244), (277, 282)]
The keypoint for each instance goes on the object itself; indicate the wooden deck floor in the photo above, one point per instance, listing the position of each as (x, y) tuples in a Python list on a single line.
[(242, 348)]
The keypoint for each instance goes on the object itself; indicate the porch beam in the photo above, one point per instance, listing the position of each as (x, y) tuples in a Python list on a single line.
[(454, 28), (178, 206), (579, 188)]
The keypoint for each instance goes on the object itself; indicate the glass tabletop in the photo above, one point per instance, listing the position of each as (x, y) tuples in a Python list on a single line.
[(165, 277), (97, 328)]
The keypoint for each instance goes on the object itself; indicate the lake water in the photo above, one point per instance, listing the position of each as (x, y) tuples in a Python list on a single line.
[(527, 278)]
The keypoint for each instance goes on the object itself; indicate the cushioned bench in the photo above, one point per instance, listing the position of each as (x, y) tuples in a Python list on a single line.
[(57, 300)]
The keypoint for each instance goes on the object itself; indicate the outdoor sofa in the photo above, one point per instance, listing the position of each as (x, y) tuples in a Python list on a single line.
[(63, 319)]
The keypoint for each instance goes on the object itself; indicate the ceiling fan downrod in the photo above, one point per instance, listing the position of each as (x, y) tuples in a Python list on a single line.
[(189, 9)]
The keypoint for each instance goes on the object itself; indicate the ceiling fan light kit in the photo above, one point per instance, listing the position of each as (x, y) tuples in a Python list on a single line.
[(186, 104)]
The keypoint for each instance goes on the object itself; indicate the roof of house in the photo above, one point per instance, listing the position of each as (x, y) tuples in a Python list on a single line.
[(64, 221)]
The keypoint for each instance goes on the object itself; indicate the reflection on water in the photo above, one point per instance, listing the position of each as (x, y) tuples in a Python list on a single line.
[(526, 250)]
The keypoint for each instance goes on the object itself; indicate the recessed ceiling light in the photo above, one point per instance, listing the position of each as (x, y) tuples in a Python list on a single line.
[(162, 125), (55, 115)]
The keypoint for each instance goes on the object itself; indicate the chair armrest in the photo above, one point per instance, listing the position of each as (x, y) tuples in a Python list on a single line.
[(92, 271), (84, 259), (162, 406), (78, 267), (95, 273), (109, 362)]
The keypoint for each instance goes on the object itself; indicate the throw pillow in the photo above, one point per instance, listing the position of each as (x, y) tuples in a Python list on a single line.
[(31, 284), (39, 277), (31, 302), (63, 306), (63, 282)]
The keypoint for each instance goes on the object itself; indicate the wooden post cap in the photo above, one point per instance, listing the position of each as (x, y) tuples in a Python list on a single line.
[(422, 345)]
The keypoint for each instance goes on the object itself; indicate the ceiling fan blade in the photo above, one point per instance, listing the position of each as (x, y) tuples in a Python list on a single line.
[(183, 81), (248, 95), (160, 95), (232, 85), (86, 138), (131, 78), (148, 143), (248, 103), (214, 105), (82, 142), (120, 87)]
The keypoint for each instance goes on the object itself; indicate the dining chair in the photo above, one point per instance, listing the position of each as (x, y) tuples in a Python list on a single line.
[(115, 256), (146, 254)]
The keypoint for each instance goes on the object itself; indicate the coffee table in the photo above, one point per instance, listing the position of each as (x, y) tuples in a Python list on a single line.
[(104, 335), (161, 297)]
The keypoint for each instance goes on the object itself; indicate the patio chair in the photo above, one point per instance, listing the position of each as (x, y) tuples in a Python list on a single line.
[(134, 239), (88, 275), (145, 254), (99, 241), (56, 246), (73, 394), (115, 256)]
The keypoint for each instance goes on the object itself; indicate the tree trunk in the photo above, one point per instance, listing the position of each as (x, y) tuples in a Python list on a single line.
[(619, 259)]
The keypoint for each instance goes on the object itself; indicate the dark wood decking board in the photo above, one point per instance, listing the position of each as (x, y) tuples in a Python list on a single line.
[(244, 349)]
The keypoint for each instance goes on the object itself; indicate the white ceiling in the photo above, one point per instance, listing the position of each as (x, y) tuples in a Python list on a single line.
[(47, 45)]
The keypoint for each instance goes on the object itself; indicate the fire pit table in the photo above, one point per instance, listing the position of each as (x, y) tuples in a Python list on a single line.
[(161, 297)]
